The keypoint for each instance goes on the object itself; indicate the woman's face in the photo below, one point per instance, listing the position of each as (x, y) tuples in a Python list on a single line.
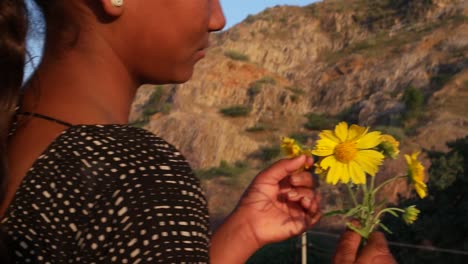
[(163, 39)]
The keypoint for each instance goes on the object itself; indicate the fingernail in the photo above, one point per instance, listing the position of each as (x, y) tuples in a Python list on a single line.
[(306, 202), (295, 179), (292, 194)]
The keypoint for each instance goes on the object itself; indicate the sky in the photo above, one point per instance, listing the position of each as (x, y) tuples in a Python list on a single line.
[(237, 10)]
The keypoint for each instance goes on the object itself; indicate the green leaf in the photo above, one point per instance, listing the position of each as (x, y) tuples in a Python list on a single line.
[(359, 231), (336, 212), (392, 213), (385, 228), (354, 210)]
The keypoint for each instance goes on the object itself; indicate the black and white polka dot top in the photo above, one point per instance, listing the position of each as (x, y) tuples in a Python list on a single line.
[(108, 194)]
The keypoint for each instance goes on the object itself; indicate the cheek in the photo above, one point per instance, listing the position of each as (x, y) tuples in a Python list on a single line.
[(166, 54), (164, 65)]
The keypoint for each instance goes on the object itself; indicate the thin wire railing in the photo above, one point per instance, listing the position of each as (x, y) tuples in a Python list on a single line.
[(404, 245)]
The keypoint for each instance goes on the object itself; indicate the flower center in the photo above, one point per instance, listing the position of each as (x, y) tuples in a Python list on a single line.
[(346, 151)]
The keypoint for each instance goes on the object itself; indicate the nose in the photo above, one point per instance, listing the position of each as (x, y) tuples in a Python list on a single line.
[(217, 18)]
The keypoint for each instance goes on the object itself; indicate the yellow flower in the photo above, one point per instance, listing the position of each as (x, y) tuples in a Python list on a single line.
[(389, 146), (348, 153), (321, 173), (416, 174), (411, 214), (290, 147)]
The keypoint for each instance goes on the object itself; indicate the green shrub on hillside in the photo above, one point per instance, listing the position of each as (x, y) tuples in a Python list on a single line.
[(440, 80), (235, 55), (267, 80), (236, 111), (224, 169), (267, 154), (153, 105), (254, 89), (256, 128), (413, 99), (295, 90), (300, 137), (320, 121), (256, 86)]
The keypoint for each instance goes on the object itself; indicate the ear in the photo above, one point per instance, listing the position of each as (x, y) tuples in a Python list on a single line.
[(113, 8)]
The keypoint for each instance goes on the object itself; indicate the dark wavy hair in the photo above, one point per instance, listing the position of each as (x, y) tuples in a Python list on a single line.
[(13, 29)]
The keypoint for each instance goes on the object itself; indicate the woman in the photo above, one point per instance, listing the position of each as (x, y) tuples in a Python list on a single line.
[(82, 186)]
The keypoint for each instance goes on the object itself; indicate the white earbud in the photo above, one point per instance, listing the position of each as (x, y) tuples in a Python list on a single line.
[(117, 3)]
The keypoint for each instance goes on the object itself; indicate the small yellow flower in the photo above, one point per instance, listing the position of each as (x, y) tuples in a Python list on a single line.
[(348, 153), (389, 146), (290, 147), (416, 174), (411, 214), (321, 173)]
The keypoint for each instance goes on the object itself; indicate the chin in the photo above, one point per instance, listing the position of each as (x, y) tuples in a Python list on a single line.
[(176, 78), (182, 76)]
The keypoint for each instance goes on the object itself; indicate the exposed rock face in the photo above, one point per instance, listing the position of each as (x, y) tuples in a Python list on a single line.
[(205, 139), (353, 58)]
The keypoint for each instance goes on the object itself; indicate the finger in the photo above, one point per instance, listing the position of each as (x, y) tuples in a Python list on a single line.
[(376, 250), (302, 179), (347, 248), (280, 169), (296, 194), (313, 206), (314, 219), (309, 162)]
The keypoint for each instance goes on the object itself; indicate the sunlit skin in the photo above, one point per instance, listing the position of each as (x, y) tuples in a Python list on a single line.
[(95, 80)]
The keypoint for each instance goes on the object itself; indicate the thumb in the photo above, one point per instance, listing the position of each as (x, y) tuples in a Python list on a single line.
[(376, 251), (347, 249), (282, 168)]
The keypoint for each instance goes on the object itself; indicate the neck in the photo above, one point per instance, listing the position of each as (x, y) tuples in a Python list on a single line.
[(82, 86)]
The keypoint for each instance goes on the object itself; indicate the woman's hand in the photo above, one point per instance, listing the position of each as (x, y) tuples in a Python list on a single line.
[(279, 203)]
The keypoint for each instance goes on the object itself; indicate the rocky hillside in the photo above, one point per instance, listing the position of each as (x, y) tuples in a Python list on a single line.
[(398, 65)]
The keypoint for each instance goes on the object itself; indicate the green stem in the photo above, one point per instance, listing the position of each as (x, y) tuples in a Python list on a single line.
[(387, 182), (352, 195), (376, 219), (386, 210)]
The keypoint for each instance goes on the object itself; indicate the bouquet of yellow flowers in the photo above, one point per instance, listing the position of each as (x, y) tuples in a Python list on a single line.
[(351, 155)]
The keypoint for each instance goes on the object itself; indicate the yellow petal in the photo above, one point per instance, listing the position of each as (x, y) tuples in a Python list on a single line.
[(357, 173), (369, 140), (328, 134), (342, 171), (408, 159), (421, 189), (324, 147), (369, 160), (356, 132), (341, 131), (333, 175), (328, 162), (415, 155)]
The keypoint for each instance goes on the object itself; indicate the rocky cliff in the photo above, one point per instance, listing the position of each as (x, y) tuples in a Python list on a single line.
[(354, 60), (336, 57)]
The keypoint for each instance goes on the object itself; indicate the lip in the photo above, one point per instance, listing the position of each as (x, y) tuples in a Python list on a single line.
[(201, 54)]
